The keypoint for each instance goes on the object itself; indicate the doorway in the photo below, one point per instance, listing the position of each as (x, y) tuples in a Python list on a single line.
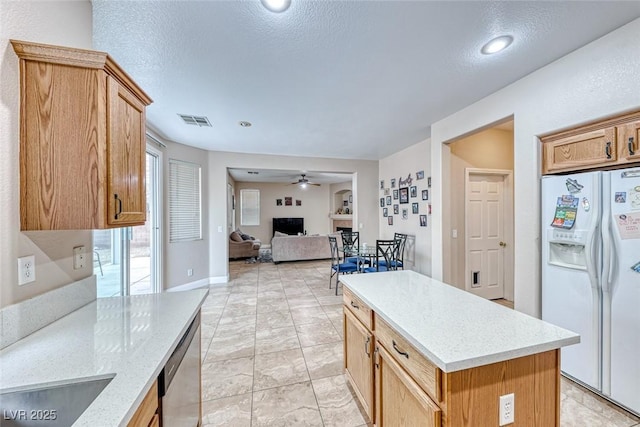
[(126, 260), (488, 232), (488, 149)]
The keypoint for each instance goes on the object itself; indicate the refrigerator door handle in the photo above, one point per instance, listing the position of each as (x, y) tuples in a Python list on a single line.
[(590, 258)]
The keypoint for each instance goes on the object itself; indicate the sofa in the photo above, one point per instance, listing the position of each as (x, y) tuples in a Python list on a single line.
[(298, 248), (240, 247)]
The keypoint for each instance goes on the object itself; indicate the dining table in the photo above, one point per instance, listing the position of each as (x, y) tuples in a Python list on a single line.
[(364, 253)]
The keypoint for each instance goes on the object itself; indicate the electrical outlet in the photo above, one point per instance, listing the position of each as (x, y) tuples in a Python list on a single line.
[(507, 409), (190, 272), (79, 257), (26, 270)]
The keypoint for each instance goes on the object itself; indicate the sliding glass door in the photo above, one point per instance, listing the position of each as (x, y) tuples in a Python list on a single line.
[(126, 260)]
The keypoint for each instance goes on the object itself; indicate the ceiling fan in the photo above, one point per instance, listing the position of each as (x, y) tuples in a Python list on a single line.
[(303, 182)]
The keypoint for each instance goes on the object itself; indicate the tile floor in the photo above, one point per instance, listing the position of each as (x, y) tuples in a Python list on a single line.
[(272, 354)]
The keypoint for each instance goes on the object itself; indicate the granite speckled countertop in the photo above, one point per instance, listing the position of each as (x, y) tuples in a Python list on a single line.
[(453, 328), (129, 338)]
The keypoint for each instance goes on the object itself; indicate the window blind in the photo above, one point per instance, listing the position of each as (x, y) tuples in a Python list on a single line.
[(185, 218), (249, 207)]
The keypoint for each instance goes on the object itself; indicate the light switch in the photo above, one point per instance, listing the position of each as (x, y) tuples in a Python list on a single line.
[(79, 257), (454, 234)]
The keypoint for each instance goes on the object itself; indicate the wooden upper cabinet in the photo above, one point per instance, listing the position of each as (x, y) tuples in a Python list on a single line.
[(629, 141), (82, 140), (608, 143), (584, 150)]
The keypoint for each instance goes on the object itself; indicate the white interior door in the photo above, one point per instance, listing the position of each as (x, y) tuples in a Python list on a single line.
[(485, 241)]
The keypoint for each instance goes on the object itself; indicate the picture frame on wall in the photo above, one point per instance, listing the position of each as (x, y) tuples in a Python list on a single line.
[(429, 182), (404, 195), (385, 212), (382, 184), (423, 220), (405, 213), (414, 208), (298, 202), (288, 201), (350, 198), (419, 175), (396, 209), (429, 209), (425, 194), (345, 203), (393, 183), (278, 202), (388, 200), (390, 220), (414, 191), (395, 194), (382, 202)]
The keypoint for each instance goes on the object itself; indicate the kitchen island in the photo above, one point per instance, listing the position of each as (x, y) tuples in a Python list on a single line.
[(427, 353), (127, 339)]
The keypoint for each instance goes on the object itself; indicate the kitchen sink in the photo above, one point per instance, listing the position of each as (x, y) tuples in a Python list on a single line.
[(57, 405)]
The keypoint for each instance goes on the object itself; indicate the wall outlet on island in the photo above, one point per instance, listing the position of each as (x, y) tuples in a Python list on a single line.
[(507, 409), (189, 272)]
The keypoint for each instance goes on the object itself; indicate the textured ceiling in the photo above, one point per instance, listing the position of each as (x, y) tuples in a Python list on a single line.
[(345, 79)]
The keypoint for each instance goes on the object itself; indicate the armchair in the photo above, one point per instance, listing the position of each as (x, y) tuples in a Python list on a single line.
[(240, 248)]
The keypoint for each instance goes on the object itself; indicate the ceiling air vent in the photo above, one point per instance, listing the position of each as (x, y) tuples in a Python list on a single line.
[(195, 120)]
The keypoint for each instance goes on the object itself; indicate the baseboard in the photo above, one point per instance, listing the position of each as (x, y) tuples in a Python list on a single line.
[(199, 283)]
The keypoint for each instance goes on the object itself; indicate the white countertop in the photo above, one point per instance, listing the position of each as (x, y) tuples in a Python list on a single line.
[(129, 337), (453, 328)]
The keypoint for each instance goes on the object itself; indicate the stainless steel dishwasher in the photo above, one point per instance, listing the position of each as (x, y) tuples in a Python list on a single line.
[(179, 381)]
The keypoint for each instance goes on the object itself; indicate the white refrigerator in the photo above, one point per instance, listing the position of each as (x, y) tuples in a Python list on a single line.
[(591, 277)]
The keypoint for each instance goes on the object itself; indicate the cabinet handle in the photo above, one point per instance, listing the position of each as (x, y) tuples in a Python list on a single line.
[(402, 353), (630, 145), (376, 356), (119, 208), (607, 150), (366, 347), (354, 306)]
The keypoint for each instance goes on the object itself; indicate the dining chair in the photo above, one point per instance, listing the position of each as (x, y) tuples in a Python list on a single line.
[(387, 252), (338, 267), (399, 262), (350, 240)]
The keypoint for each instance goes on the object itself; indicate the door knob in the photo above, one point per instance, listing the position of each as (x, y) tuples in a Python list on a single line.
[(503, 244)]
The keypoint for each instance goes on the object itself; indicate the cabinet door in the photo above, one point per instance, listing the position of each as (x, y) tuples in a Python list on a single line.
[(126, 157), (399, 400), (358, 360), (629, 141), (588, 149)]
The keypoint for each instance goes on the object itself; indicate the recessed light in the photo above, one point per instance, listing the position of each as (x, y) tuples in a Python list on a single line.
[(496, 45), (276, 6), (245, 124)]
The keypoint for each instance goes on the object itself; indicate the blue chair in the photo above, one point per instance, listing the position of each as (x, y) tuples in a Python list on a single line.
[(399, 262), (351, 239), (387, 251), (337, 267)]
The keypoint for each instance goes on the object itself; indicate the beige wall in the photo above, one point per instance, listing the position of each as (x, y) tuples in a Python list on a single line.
[(572, 90), (66, 24), (365, 181), (314, 209), (181, 256), (401, 164), (489, 149)]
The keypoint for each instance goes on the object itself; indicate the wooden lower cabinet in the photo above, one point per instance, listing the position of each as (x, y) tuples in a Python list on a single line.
[(399, 399), (358, 360), (147, 413)]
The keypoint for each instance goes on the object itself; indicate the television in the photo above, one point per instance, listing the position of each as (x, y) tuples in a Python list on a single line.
[(291, 226)]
